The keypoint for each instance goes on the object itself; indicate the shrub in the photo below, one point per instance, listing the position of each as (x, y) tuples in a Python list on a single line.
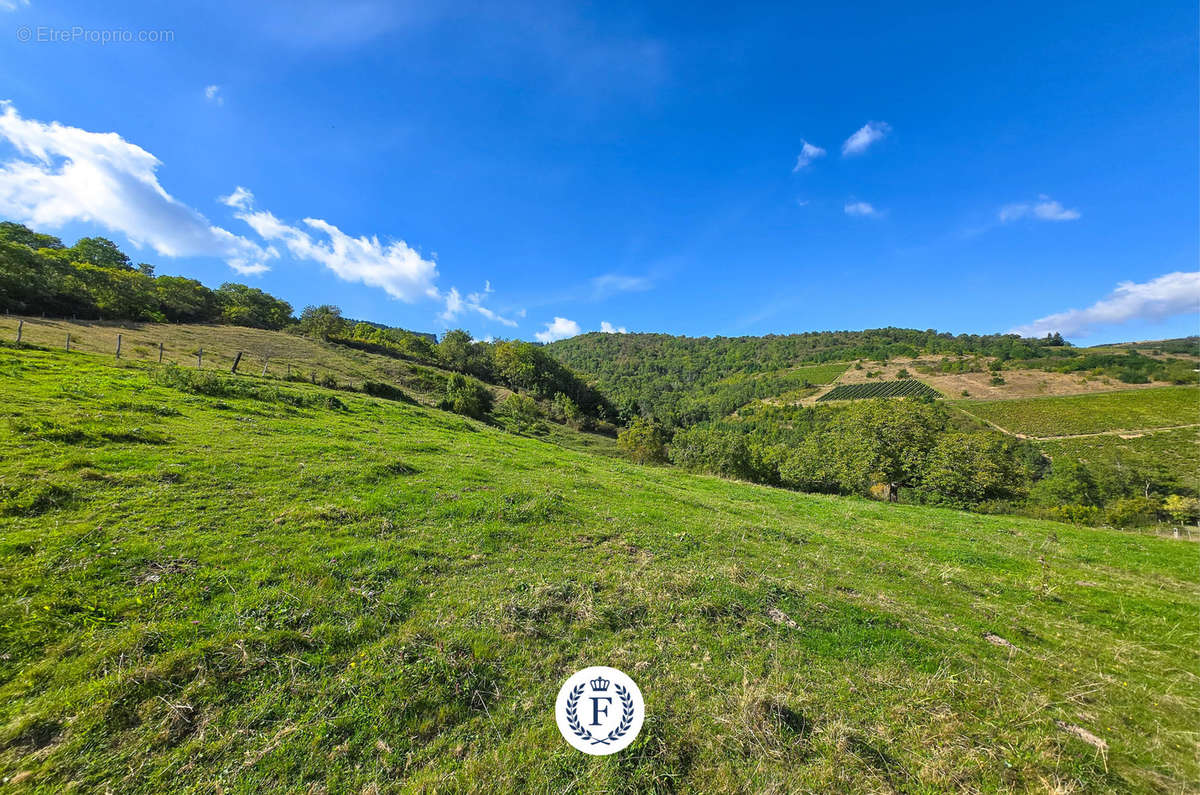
[(387, 391), (643, 441), (466, 396), (210, 384), (1182, 509), (522, 411), (1132, 511)]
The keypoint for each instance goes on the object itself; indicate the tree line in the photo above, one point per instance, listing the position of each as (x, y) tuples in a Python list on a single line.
[(916, 451), (523, 367), (94, 279), (671, 378)]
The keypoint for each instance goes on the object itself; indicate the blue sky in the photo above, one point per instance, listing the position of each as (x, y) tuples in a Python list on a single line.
[(519, 169)]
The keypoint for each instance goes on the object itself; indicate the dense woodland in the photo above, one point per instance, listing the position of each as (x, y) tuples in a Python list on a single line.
[(672, 378)]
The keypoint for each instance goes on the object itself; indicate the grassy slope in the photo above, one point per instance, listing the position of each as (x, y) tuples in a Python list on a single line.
[(1075, 414), (239, 596), (277, 349), (282, 354)]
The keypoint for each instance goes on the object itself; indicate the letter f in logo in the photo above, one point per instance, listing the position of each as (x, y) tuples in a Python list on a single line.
[(597, 710)]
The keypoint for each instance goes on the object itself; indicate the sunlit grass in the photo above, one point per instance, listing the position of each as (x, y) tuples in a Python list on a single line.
[(240, 593)]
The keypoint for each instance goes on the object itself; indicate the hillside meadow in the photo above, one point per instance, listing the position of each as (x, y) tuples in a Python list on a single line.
[(1130, 410), (288, 588)]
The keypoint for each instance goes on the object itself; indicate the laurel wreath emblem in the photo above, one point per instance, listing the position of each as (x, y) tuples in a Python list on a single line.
[(582, 733)]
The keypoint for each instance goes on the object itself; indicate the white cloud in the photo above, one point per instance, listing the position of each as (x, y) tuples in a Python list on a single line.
[(1044, 209), (609, 328), (611, 283), (456, 305), (395, 267), (560, 329), (213, 95), (861, 209), (1169, 295), (808, 153), (866, 135), (62, 174), (241, 199), (12, 5)]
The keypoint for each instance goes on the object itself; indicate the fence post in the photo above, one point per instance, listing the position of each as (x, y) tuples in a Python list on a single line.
[(160, 353), (20, 327), (199, 358), (118, 346), (236, 361), (68, 341), (266, 362)]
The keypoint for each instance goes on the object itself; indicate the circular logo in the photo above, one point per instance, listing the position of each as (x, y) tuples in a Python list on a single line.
[(599, 710)]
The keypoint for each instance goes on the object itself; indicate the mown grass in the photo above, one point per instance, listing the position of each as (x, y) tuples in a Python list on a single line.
[(1107, 411), (271, 597)]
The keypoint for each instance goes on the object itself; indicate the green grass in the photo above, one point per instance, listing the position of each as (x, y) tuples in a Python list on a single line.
[(1107, 411), (909, 387), (249, 592), (820, 373)]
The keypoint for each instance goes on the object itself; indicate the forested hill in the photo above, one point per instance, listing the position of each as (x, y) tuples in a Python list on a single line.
[(654, 371)]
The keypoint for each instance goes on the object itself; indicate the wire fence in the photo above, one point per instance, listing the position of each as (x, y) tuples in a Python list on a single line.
[(182, 347)]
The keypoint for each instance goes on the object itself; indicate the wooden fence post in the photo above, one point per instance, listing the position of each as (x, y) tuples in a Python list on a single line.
[(160, 353), (20, 328), (118, 346), (199, 358), (236, 361), (266, 362), (68, 341)]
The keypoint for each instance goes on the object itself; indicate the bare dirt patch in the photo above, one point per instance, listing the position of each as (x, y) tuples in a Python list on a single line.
[(1017, 383)]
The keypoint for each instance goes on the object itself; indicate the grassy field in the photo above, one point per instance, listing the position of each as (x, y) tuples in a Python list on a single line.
[(278, 593), (279, 352), (1077, 414), (821, 373)]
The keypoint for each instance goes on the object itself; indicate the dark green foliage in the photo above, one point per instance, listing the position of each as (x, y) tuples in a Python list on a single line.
[(520, 366), (643, 441), (210, 384), (387, 391), (94, 279), (1131, 367), (19, 233), (467, 396), (323, 322), (1068, 482), (660, 375), (98, 251), (881, 389), (521, 412), (250, 306), (856, 447)]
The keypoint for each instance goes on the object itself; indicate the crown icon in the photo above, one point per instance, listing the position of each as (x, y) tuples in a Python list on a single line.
[(599, 684)]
